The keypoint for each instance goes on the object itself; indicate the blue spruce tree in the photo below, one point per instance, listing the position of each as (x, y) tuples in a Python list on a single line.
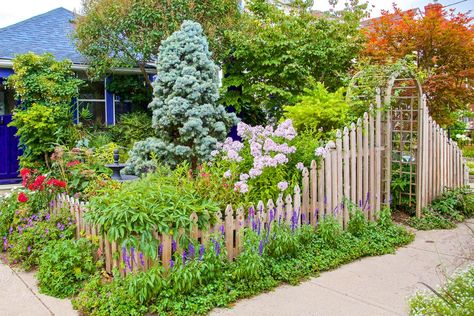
[(187, 119)]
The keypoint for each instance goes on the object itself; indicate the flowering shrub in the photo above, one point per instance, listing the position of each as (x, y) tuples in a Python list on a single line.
[(64, 266), (258, 167), (29, 235), (78, 167)]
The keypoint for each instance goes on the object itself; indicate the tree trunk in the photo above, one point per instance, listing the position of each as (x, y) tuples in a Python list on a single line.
[(145, 75)]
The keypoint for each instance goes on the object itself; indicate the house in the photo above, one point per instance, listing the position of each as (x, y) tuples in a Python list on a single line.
[(50, 32)]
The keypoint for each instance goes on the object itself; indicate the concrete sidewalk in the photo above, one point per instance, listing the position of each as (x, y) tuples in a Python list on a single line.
[(370, 286)]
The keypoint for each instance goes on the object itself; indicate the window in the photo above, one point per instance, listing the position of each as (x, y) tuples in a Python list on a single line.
[(91, 104), (7, 100)]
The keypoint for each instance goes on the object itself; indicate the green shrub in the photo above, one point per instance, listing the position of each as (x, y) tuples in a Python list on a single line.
[(8, 206), (131, 128), (319, 108), (455, 298), (452, 207), (158, 202), (64, 265), (40, 128), (329, 230), (468, 151), (32, 235)]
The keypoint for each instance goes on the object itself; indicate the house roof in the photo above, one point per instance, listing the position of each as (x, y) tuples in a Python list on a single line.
[(48, 32)]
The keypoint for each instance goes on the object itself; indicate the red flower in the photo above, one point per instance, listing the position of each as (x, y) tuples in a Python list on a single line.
[(22, 197), (38, 184), (25, 172), (73, 163), (56, 183)]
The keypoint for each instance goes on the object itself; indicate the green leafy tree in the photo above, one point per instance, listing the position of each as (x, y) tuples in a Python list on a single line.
[(318, 108), (44, 80), (46, 88), (188, 121), (127, 33), (276, 54)]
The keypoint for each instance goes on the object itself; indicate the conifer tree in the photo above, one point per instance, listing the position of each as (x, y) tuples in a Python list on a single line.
[(188, 121)]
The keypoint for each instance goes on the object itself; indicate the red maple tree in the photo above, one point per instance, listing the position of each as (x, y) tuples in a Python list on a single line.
[(443, 43)]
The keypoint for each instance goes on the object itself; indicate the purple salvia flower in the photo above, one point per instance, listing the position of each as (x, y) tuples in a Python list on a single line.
[(260, 247), (191, 250), (47, 217), (259, 227), (10, 231), (160, 250), (201, 251), (173, 245), (142, 261), (20, 229), (221, 229), (171, 263), (217, 248), (279, 219), (28, 249)]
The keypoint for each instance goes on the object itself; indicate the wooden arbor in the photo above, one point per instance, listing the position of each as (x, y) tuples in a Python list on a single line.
[(419, 160)]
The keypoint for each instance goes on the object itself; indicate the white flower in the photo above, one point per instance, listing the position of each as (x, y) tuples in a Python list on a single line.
[(227, 174), (300, 166), (283, 185), (244, 177), (241, 187)]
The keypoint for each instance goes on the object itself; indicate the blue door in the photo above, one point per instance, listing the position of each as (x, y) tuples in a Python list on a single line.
[(9, 152)]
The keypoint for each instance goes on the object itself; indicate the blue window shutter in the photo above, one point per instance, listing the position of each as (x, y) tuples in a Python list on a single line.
[(109, 104)]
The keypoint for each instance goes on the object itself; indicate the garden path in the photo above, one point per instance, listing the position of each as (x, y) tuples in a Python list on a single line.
[(370, 286)]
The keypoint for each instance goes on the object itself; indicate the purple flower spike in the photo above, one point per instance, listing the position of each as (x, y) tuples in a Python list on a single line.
[(251, 212), (191, 250), (217, 248), (173, 245), (260, 247), (160, 250), (10, 231), (142, 261), (171, 263), (201, 251), (183, 257), (5, 243), (221, 229), (279, 219), (20, 229)]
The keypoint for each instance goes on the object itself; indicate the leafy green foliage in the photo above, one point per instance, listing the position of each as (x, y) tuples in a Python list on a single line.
[(40, 129), (64, 266), (158, 202), (468, 151), (444, 212), (132, 89), (41, 79), (124, 33), (46, 88), (188, 121), (8, 206), (329, 230), (131, 128), (100, 298), (268, 259), (455, 298), (276, 55), (32, 235), (318, 108)]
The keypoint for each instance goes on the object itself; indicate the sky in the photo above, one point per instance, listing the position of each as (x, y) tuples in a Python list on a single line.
[(12, 11)]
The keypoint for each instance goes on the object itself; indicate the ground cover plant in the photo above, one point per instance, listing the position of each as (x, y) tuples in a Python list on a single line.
[(444, 212), (65, 265), (201, 278), (454, 298)]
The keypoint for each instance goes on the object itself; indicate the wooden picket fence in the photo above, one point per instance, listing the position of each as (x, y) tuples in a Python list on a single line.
[(440, 161), (355, 168)]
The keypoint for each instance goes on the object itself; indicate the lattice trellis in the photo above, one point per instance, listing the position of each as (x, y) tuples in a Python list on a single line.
[(401, 94)]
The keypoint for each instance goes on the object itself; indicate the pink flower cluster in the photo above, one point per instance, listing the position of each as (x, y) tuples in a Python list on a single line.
[(264, 148)]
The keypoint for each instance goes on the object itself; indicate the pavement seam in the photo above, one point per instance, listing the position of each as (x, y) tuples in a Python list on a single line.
[(359, 299), (440, 253), (31, 290)]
